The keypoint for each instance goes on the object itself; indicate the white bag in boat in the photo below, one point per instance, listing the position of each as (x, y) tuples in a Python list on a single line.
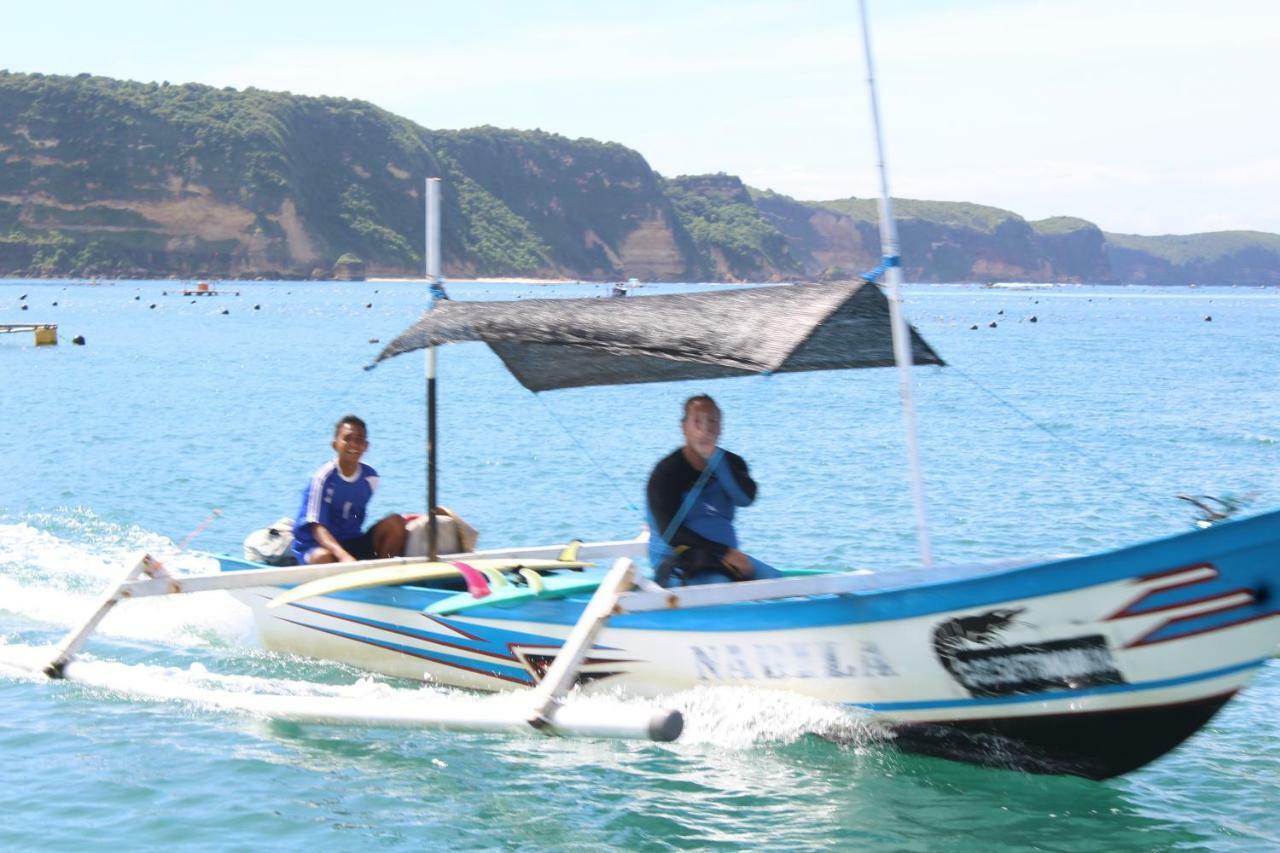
[(454, 536), (270, 545)]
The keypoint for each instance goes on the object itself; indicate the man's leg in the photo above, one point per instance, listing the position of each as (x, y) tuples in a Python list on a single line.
[(389, 536)]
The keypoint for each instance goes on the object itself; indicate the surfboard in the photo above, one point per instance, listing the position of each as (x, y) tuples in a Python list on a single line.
[(412, 573), (551, 586)]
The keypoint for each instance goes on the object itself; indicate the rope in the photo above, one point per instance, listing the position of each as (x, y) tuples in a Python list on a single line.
[(628, 502), (1141, 491)]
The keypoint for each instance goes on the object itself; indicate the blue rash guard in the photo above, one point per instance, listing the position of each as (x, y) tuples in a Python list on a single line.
[(336, 502), (709, 522)]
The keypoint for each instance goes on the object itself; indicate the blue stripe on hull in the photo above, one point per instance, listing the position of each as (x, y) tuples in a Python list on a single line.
[(1242, 552), (516, 675)]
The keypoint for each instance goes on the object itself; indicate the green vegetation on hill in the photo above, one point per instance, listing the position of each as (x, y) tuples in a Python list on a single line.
[(1184, 248), (173, 179), (1221, 257), (950, 214), (723, 220), (108, 177), (1056, 225)]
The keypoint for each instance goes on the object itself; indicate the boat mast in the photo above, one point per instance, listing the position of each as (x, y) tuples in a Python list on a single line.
[(892, 264), (433, 282)]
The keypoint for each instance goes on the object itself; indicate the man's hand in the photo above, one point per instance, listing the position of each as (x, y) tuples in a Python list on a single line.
[(739, 563)]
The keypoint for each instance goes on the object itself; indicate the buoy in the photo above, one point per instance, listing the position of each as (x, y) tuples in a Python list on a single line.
[(78, 340)]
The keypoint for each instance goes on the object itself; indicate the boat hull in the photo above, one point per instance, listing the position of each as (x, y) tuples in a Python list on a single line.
[(1090, 666)]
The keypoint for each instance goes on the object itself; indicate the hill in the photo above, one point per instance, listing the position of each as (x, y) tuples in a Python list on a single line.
[(117, 178)]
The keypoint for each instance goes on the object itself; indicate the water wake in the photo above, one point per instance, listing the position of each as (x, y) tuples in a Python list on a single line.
[(54, 568)]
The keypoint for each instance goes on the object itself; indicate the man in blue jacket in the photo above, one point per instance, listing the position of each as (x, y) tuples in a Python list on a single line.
[(692, 495)]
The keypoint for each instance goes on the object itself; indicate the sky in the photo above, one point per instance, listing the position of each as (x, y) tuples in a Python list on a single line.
[(1143, 116)]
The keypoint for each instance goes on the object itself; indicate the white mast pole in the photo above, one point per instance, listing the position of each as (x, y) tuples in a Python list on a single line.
[(433, 282), (898, 323)]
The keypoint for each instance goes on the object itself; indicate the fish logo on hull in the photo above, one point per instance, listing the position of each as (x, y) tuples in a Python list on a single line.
[(967, 646)]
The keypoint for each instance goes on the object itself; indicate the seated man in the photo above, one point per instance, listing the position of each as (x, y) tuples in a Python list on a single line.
[(692, 495), (328, 525)]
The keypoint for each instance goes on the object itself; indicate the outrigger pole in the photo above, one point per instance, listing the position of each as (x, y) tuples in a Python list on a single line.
[(892, 265), (437, 292), (547, 713)]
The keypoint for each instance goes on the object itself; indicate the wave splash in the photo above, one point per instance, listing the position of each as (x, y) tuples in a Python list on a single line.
[(55, 567)]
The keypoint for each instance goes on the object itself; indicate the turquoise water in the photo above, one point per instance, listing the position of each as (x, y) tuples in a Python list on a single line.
[(1069, 434)]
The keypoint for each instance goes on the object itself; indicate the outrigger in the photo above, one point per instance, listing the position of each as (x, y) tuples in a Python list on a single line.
[(1092, 665)]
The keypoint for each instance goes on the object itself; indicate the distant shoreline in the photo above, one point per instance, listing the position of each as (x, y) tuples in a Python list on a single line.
[(420, 280)]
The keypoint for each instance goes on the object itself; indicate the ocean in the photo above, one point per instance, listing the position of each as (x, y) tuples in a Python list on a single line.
[(1067, 433)]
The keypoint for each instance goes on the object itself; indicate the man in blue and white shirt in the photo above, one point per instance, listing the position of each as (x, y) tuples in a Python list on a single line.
[(329, 523)]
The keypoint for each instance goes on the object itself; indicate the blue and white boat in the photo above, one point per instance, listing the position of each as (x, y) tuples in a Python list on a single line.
[(1091, 665)]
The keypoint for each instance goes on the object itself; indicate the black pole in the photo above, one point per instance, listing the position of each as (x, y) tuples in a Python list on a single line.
[(432, 548)]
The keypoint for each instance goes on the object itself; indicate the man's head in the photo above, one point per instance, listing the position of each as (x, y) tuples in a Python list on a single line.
[(350, 440), (701, 425)]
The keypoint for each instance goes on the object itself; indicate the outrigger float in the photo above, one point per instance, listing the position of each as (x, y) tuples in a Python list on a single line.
[(1091, 665)]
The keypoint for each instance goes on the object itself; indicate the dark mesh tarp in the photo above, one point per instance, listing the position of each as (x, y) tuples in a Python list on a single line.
[(568, 343)]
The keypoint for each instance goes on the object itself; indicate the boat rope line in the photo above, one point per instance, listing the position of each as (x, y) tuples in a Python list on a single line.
[(1099, 463), (600, 469)]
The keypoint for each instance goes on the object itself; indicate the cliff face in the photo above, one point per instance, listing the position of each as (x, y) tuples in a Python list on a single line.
[(940, 241), (104, 177), (734, 240)]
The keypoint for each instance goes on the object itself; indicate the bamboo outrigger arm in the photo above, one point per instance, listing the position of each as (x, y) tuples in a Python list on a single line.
[(148, 577)]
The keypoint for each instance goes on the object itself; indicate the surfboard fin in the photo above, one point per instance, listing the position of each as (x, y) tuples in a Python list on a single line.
[(476, 583), (570, 552), (533, 579)]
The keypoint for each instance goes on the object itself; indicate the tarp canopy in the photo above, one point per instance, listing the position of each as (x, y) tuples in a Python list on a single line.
[(569, 343)]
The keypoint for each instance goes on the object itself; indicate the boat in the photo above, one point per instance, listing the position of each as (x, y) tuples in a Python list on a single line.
[(1091, 665), (1088, 665)]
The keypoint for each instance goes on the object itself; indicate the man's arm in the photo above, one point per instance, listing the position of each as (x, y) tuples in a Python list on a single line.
[(733, 474), (329, 542)]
